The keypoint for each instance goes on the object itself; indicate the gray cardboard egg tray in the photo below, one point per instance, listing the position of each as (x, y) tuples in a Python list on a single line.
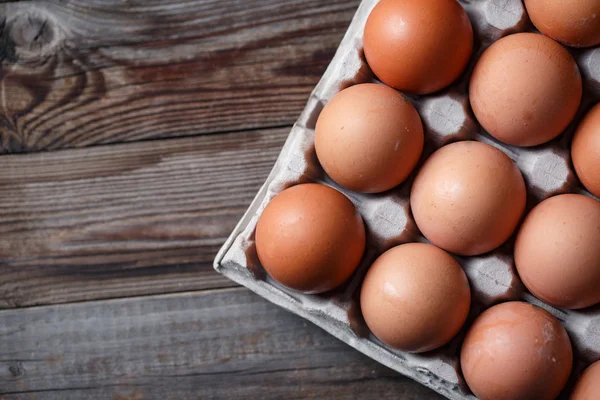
[(447, 118)]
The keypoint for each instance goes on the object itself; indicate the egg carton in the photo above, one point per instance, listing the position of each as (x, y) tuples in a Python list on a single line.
[(447, 118)]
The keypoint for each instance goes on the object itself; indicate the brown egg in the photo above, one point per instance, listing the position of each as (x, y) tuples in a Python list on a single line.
[(415, 297), (574, 23), (310, 238), (418, 46), (468, 198), (585, 151), (525, 89), (588, 385), (369, 138), (557, 252), (516, 351)]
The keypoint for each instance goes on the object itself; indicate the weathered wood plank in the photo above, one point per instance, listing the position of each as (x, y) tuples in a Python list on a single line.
[(225, 344), (79, 73), (127, 219)]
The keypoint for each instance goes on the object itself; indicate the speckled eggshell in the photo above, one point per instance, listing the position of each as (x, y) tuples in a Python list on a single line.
[(585, 151), (369, 138), (574, 23), (516, 351), (415, 297), (557, 251), (588, 384), (418, 46), (525, 89), (310, 238), (468, 198)]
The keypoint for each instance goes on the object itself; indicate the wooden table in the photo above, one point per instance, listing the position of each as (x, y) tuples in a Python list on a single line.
[(134, 134)]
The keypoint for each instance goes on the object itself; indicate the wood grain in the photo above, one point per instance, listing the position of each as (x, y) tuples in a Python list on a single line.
[(127, 219), (80, 73), (227, 344)]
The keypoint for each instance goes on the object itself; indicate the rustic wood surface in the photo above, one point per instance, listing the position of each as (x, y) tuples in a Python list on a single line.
[(79, 73), (125, 220), (106, 283), (225, 344)]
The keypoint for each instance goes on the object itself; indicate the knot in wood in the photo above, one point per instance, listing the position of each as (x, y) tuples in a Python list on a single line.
[(29, 35), (16, 370)]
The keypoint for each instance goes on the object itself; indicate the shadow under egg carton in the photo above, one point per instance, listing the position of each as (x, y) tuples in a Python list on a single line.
[(446, 118)]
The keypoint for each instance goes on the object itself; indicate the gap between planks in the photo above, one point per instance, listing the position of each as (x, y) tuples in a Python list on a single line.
[(153, 139), (116, 300)]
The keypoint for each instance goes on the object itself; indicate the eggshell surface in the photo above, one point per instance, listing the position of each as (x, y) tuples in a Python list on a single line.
[(516, 351), (585, 151), (574, 23), (415, 297), (369, 138), (588, 384), (418, 46), (468, 198), (557, 251), (310, 238), (525, 89)]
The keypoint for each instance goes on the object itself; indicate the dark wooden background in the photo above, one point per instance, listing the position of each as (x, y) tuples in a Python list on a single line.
[(133, 135)]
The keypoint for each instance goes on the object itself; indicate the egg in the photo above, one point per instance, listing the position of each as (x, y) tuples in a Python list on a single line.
[(525, 89), (369, 138), (557, 251), (574, 23), (468, 198), (588, 384), (310, 238), (418, 46), (516, 351), (585, 151), (415, 297)]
